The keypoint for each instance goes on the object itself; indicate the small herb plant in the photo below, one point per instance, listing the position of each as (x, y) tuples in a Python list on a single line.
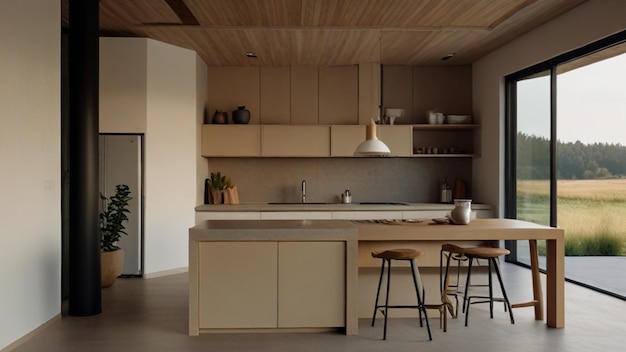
[(218, 181), (112, 218)]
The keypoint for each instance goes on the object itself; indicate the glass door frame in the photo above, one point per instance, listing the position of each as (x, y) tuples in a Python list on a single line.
[(510, 174)]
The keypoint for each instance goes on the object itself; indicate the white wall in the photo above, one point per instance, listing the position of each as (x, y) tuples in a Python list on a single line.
[(584, 24), (30, 160), (170, 156)]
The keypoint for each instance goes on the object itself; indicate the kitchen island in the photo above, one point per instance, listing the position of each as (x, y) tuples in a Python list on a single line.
[(212, 265), (287, 275)]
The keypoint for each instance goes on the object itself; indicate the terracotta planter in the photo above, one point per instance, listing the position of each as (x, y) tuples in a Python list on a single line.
[(111, 266), (216, 196)]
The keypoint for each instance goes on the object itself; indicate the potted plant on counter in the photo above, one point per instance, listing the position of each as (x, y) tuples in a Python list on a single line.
[(113, 214), (218, 183)]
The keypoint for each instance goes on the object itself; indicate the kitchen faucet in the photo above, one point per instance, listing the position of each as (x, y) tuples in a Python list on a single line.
[(303, 191)]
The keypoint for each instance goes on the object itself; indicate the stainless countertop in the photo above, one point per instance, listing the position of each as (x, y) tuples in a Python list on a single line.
[(264, 207)]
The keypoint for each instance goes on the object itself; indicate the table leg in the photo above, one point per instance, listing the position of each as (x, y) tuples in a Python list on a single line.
[(555, 282), (537, 301), (537, 290)]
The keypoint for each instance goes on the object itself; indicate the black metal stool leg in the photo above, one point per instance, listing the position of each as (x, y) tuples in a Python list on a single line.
[(387, 298), (467, 283), (490, 280), (420, 301), (380, 281), (506, 298)]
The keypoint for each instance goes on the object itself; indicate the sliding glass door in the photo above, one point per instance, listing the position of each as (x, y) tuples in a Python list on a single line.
[(566, 159), (532, 163)]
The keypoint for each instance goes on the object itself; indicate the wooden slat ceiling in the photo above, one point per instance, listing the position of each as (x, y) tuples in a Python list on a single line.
[(329, 32)]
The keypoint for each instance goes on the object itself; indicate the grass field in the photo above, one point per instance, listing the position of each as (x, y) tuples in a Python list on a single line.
[(592, 213)]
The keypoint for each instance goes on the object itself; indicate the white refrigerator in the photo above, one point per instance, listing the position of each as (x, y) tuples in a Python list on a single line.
[(121, 162)]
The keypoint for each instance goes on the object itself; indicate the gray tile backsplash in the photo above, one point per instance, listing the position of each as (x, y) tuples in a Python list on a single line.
[(415, 180)]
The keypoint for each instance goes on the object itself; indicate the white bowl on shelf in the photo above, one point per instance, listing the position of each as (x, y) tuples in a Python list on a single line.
[(459, 119)]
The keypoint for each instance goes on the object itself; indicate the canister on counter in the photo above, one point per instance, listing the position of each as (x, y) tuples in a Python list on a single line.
[(446, 192)]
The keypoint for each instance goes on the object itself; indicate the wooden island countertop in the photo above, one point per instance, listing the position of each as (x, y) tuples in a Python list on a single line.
[(486, 230)]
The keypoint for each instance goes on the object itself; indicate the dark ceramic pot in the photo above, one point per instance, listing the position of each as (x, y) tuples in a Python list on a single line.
[(241, 115), (220, 117)]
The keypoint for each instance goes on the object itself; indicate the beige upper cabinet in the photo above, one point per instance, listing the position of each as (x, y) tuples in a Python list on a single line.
[(338, 95), (275, 92), (397, 87), (231, 140), (398, 138), (229, 87), (304, 95), (417, 89), (447, 89), (345, 138), (295, 141)]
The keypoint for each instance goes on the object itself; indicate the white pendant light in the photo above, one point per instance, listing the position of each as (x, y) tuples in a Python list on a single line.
[(372, 146)]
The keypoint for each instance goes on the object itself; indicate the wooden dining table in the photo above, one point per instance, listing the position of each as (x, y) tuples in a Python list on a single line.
[(492, 230)]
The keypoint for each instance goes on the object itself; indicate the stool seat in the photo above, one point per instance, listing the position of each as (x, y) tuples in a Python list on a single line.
[(485, 252), (398, 254)]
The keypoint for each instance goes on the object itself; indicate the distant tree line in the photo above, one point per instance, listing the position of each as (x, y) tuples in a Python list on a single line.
[(575, 160)]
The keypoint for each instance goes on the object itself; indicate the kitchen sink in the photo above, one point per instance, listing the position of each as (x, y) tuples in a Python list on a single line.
[(384, 203), (297, 203)]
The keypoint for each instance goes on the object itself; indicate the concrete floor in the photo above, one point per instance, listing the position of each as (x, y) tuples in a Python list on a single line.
[(151, 315)]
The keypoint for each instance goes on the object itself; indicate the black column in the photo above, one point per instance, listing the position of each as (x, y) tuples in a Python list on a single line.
[(84, 241)]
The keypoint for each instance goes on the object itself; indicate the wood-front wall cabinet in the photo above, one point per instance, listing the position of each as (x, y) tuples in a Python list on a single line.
[(433, 141), (295, 141), (231, 140), (268, 284)]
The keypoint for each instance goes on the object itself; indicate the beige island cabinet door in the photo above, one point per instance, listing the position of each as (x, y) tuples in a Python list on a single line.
[(237, 285), (311, 284)]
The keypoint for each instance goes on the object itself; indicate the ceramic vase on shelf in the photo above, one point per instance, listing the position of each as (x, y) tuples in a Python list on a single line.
[(462, 211), (241, 115), (220, 117)]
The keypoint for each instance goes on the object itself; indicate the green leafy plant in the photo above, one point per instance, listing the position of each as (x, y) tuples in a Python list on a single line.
[(218, 181), (112, 217)]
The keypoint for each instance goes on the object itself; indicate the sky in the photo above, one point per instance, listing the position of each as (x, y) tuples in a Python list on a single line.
[(591, 104)]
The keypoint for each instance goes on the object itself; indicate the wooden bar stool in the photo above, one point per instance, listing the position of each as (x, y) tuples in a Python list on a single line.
[(491, 255), (450, 252), (407, 255)]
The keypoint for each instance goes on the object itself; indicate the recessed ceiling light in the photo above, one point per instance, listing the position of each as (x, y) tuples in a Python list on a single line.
[(251, 54), (448, 56)]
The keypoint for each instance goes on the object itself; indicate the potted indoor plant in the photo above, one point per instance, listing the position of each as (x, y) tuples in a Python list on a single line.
[(113, 214), (218, 183)]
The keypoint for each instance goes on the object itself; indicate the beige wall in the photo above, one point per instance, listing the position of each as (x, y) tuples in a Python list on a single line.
[(30, 155), (587, 23)]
